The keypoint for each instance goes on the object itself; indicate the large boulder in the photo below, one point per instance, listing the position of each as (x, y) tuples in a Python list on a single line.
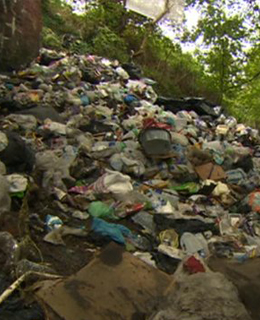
[(20, 28)]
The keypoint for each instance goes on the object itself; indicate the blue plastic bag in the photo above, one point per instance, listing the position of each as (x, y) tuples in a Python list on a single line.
[(130, 98), (114, 231)]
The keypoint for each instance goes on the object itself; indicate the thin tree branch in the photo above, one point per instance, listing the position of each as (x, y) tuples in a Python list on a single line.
[(151, 28), (20, 280)]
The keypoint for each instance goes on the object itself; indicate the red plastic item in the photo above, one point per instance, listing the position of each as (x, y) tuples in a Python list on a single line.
[(135, 208), (193, 265), (152, 123)]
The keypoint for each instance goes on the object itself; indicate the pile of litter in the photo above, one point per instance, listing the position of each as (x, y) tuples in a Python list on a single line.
[(89, 150)]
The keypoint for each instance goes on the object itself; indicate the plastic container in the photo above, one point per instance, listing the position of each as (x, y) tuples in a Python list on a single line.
[(222, 129), (155, 141), (231, 122)]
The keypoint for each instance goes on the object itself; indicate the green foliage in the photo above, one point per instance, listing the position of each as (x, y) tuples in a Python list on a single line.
[(80, 47), (108, 44), (229, 31), (245, 100), (220, 71), (223, 34), (58, 17), (50, 39)]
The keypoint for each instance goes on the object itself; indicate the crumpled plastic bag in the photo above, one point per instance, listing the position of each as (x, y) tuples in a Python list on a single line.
[(204, 295), (54, 127), (18, 183), (114, 231), (153, 9), (100, 209), (122, 162), (55, 168), (26, 122), (114, 182), (55, 236)]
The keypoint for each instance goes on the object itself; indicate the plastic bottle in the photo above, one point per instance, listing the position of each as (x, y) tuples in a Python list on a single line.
[(192, 244), (25, 265)]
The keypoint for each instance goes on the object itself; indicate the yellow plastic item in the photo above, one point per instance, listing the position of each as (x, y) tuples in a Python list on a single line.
[(170, 237)]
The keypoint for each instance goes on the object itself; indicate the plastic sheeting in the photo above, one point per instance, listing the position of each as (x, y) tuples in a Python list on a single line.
[(153, 9), (206, 296)]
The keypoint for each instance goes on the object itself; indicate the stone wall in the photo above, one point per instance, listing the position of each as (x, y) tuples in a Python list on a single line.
[(20, 28)]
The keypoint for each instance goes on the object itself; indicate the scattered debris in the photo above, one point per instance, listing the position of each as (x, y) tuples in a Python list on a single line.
[(90, 154)]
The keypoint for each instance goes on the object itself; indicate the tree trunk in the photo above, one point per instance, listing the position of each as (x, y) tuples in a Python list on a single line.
[(20, 28)]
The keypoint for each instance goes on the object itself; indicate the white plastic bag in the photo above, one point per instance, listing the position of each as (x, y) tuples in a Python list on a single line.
[(194, 243), (24, 121), (18, 183), (55, 168), (55, 127), (114, 182), (153, 9)]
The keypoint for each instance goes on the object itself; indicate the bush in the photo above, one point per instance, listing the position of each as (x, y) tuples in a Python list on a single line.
[(50, 39), (108, 44)]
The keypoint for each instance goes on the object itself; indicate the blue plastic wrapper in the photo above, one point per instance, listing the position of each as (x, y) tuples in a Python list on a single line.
[(53, 222), (114, 231), (130, 98), (236, 176)]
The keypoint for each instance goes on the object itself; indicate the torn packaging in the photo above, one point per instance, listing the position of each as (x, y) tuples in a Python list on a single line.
[(210, 171)]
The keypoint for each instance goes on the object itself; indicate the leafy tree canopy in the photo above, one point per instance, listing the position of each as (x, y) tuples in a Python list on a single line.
[(225, 66)]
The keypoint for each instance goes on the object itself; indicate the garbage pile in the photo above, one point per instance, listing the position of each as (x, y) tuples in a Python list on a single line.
[(171, 180)]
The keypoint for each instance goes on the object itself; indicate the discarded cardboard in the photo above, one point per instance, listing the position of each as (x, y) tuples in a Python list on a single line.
[(210, 171), (115, 285)]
